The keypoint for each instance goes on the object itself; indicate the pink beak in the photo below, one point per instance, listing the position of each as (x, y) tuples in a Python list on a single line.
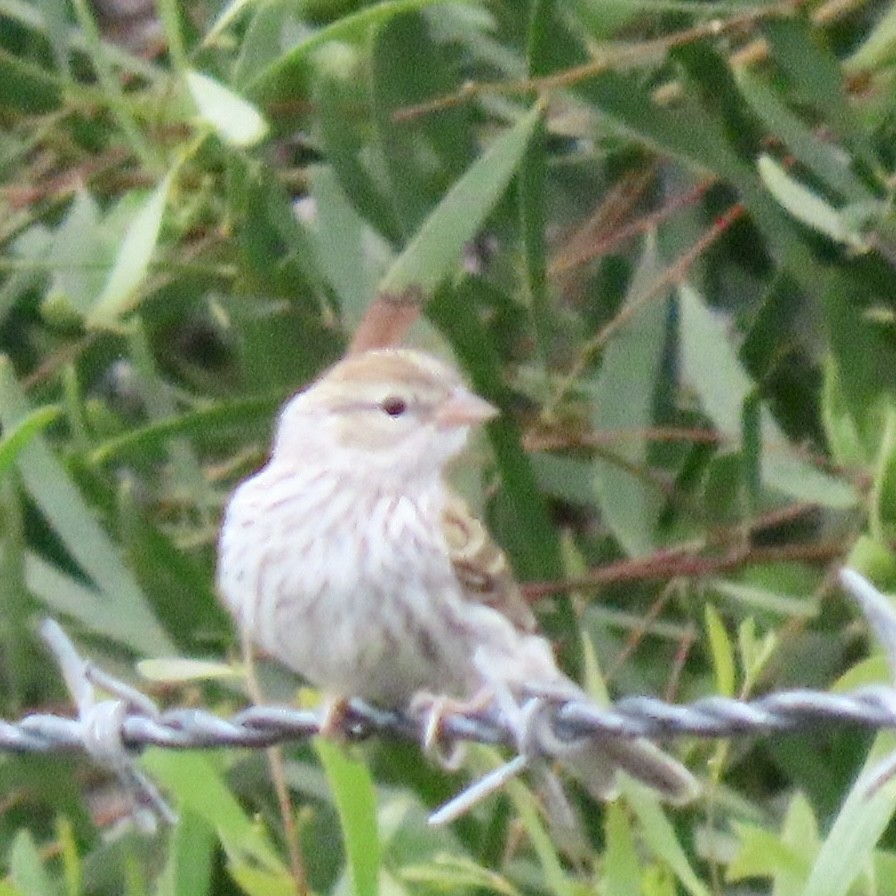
[(463, 408)]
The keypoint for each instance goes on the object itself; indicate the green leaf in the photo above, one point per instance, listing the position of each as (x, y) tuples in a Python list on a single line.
[(132, 261), (179, 669), (593, 680), (827, 162), (533, 213), (816, 76), (711, 368), (27, 87), (409, 66), (355, 798), (876, 560), (762, 854), (79, 257), (660, 837), (529, 536), (226, 16), (863, 364), (861, 821), (118, 606), (349, 253), (279, 78), (197, 422), (624, 401), (568, 478), (807, 206), (697, 134), (882, 486), (18, 437), (621, 866), (339, 91), (878, 49), (754, 651), (455, 874), (188, 870), (257, 882), (840, 426), (72, 865), (26, 867), (434, 251), (722, 652), (800, 833), (235, 120), (556, 878), (200, 789), (756, 597)]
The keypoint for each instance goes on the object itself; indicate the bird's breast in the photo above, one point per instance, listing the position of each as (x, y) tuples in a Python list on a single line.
[(354, 590)]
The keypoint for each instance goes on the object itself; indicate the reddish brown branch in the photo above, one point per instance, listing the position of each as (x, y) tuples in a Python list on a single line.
[(677, 562)]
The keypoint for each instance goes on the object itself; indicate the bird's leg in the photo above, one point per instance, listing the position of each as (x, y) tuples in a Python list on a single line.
[(333, 717)]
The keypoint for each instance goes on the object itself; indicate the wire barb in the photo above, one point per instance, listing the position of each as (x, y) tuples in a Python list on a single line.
[(101, 725), (113, 731)]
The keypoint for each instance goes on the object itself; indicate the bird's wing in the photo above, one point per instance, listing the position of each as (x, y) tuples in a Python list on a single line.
[(481, 566)]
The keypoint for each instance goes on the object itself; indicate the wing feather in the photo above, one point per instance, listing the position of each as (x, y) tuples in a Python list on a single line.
[(481, 566)]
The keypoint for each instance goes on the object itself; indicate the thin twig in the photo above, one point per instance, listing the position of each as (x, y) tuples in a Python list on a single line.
[(278, 778)]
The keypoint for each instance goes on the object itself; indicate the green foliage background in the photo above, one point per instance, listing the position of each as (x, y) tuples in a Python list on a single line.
[(659, 233)]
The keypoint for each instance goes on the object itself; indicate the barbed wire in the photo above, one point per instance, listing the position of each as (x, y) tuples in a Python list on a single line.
[(114, 730)]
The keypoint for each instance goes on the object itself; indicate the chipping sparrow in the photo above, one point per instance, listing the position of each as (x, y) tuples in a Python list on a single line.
[(349, 560)]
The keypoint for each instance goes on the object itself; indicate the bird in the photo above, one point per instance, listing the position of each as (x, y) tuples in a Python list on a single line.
[(349, 559)]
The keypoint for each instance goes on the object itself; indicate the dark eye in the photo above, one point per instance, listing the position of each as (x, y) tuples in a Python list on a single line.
[(394, 406)]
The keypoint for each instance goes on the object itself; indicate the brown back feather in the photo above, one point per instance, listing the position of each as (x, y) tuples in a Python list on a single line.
[(481, 566)]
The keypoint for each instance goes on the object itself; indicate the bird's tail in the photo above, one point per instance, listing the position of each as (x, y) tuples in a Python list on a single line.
[(596, 760), (595, 763), (531, 700)]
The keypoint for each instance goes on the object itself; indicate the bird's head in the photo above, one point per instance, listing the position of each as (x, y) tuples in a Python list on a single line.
[(388, 412)]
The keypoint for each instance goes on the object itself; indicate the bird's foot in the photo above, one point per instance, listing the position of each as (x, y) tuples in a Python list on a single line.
[(433, 708)]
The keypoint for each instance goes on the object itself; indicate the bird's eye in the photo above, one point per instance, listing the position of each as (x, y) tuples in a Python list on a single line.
[(394, 406)]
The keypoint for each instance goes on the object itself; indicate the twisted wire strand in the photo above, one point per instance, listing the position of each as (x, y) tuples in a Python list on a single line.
[(113, 731), (872, 707)]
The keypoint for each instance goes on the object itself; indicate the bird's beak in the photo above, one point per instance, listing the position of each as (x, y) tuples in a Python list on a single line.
[(463, 408)]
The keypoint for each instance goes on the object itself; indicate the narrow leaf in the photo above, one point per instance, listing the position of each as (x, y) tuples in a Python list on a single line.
[(437, 246), (189, 863), (878, 48), (132, 262), (624, 401), (660, 837), (355, 798), (862, 819), (555, 875), (829, 163), (621, 866), (235, 120), (806, 205), (179, 669), (121, 602), (201, 789), (711, 368), (26, 866), (281, 75), (722, 652), (19, 436)]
